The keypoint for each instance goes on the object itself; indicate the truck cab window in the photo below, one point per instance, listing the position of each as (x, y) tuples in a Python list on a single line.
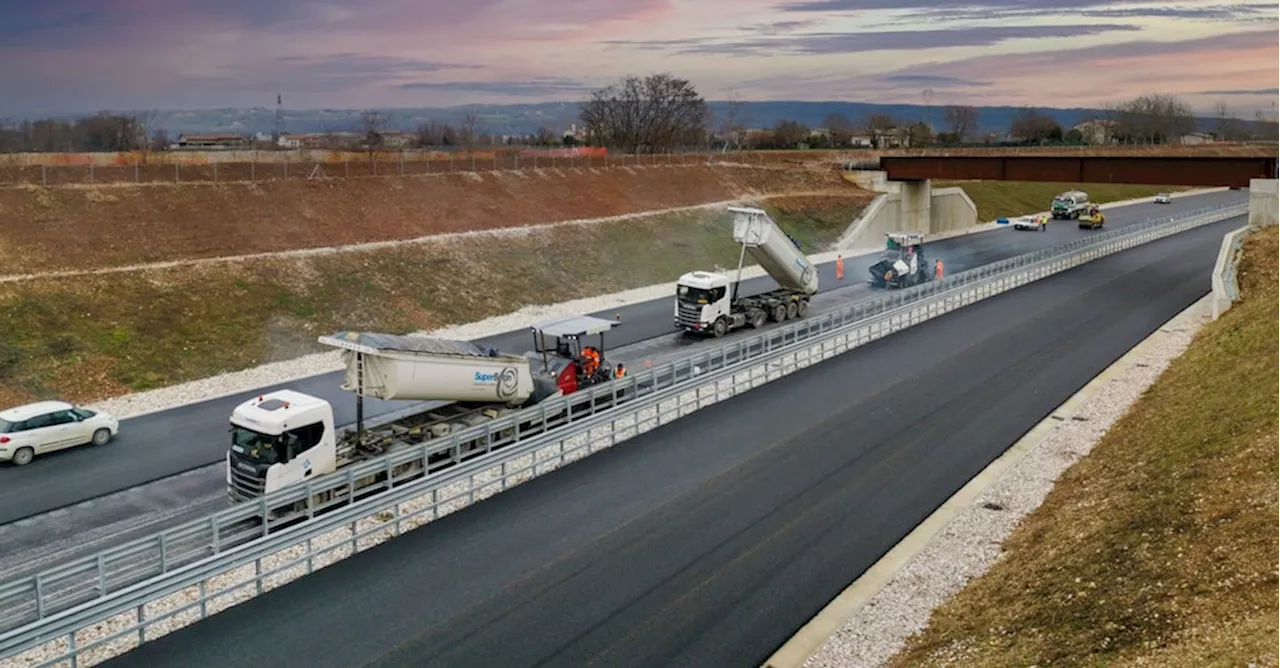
[(302, 439)]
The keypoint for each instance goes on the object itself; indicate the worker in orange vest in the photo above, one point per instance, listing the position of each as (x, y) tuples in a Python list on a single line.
[(839, 267), (937, 269)]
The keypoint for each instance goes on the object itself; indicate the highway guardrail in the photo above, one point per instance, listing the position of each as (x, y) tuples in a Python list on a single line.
[(192, 566)]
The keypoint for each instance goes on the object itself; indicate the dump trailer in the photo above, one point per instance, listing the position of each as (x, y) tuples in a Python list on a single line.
[(710, 303), (903, 262), (286, 437)]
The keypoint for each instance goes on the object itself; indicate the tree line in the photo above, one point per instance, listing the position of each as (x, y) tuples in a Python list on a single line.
[(661, 112)]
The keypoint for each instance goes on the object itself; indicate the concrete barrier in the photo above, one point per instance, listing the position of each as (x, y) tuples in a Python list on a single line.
[(1225, 290)]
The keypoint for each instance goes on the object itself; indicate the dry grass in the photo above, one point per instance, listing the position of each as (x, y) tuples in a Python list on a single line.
[(1160, 547), (107, 226), (97, 336), (1017, 198)]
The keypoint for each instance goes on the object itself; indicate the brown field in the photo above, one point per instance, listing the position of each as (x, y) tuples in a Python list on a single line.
[(102, 226), (88, 337)]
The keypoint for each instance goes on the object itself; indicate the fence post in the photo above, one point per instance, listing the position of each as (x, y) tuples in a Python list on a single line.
[(286, 168), (136, 176), (215, 171), (176, 178), (253, 170), (91, 172)]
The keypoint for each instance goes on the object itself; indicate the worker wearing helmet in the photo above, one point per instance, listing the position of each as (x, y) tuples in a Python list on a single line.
[(620, 371), (590, 361)]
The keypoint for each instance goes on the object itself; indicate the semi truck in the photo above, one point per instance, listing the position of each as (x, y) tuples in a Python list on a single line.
[(285, 437), (1069, 205), (711, 303)]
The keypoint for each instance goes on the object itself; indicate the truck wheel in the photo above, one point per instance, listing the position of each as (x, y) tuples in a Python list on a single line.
[(791, 310), (779, 313), (758, 319), (718, 330), (802, 308)]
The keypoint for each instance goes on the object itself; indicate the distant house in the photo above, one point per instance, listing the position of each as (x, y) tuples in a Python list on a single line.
[(300, 141), (210, 142), (1198, 138), (395, 139), (860, 141), (1096, 131)]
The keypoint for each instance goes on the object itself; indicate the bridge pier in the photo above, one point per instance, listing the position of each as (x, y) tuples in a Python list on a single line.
[(1264, 205), (906, 206)]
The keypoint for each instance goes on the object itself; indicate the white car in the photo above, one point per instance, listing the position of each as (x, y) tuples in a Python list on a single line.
[(46, 426), (1032, 223), (1163, 198)]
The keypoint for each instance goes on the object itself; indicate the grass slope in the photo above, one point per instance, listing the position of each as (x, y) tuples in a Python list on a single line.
[(98, 336), (995, 199), (1160, 547)]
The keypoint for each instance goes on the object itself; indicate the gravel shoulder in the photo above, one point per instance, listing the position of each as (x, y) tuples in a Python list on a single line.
[(1140, 531)]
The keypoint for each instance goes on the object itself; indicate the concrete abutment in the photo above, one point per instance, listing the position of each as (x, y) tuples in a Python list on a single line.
[(906, 206)]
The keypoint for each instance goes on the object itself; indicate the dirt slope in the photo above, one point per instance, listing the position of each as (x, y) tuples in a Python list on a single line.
[(88, 227)]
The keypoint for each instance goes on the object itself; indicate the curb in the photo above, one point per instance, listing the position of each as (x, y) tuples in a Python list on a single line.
[(831, 619)]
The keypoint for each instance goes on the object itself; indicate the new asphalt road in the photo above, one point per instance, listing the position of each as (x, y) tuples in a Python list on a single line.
[(708, 541), (163, 444)]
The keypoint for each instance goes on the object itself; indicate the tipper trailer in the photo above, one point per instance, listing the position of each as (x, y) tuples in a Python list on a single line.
[(286, 437), (709, 303)]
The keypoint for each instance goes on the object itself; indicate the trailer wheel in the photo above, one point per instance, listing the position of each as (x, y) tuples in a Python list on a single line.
[(791, 310), (779, 313), (802, 308), (757, 318), (719, 328)]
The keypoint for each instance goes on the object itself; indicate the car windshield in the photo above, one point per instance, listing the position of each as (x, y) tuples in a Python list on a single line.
[(256, 446), (693, 295)]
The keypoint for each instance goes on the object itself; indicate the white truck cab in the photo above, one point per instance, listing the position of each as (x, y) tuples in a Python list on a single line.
[(702, 298), (279, 439)]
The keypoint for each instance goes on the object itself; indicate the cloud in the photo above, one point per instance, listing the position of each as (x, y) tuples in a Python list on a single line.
[(1257, 91), (957, 10), (538, 87), (343, 66), (860, 42), (932, 80)]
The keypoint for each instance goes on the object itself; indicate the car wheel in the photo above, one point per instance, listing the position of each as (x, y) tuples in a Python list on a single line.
[(23, 456), (101, 436)]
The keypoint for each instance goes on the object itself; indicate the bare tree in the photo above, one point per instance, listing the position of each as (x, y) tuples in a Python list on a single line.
[(733, 123), (1154, 118), (787, 134), (920, 134), (1266, 122), (1032, 126), (1228, 126), (545, 137), (961, 121), (468, 130), (374, 124), (840, 127), (653, 114)]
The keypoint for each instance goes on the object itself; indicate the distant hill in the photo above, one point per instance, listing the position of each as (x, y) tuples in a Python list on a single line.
[(517, 119)]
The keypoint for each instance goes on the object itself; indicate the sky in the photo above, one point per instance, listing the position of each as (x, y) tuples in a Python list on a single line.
[(66, 56)]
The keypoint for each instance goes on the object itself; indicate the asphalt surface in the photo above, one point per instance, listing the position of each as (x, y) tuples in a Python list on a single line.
[(159, 445), (709, 541)]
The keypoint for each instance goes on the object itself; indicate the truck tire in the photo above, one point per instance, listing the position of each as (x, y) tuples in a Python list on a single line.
[(779, 313), (757, 318), (720, 328), (802, 308), (791, 310)]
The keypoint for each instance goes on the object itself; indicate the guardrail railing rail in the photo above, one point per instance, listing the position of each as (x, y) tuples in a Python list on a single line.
[(58, 602)]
